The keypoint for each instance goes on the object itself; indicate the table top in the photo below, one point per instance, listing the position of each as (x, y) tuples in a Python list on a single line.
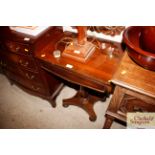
[(10, 34), (98, 69), (134, 77)]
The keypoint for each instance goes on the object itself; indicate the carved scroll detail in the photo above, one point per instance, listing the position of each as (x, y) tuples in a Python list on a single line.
[(107, 30), (133, 104)]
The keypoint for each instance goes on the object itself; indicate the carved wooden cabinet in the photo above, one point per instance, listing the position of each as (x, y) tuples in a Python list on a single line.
[(134, 92), (17, 62)]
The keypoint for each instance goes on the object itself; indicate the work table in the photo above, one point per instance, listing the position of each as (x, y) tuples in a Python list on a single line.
[(94, 74)]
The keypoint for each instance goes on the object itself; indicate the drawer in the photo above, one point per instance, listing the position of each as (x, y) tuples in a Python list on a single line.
[(34, 86), (18, 47), (6, 65), (22, 61), (76, 78), (31, 76)]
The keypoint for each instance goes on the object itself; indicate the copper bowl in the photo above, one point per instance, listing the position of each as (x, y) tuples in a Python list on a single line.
[(131, 38)]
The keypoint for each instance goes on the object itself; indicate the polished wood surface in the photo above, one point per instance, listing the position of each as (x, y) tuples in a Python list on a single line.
[(132, 37), (7, 33), (135, 77), (147, 38), (134, 92), (79, 48), (20, 66), (94, 74)]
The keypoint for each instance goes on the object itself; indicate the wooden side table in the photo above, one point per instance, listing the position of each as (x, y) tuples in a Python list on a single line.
[(94, 74), (135, 91)]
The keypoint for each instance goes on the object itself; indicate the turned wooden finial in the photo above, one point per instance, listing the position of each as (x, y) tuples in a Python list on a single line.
[(82, 34)]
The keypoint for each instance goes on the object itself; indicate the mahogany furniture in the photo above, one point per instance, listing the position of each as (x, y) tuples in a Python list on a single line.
[(147, 38), (132, 38), (17, 62), (93, 75), (135, 91)]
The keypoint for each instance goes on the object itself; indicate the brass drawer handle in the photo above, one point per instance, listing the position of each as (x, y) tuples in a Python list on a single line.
[(35, 88), (25, 64), (30, 77)]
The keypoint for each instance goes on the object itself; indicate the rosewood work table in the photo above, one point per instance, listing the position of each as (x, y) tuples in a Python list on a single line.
[(134, 92), (93, 75)]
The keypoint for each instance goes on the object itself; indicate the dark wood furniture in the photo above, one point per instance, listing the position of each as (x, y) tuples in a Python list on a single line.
[(134, 39), (79, 49), (135, 91), (94, 74), (17, 62)]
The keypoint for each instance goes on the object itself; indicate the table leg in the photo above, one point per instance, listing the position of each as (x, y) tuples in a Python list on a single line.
[(52, 99), (113, 107), (108, 122), (83, 100)]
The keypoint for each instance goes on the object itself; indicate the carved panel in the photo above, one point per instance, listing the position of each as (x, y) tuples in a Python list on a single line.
[(133, 104), (107, 30)]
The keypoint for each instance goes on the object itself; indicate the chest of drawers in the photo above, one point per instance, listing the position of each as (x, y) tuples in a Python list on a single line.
[(17, 62)]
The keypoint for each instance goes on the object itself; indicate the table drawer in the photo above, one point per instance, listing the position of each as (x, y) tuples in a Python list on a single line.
[(31, 76), (18, 47), (76, 78)]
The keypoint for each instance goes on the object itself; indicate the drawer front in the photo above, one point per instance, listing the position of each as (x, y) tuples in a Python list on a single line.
[(18, 47), (6, 64), (34, 86), (76, 78), (31, 76), (21, 61)]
